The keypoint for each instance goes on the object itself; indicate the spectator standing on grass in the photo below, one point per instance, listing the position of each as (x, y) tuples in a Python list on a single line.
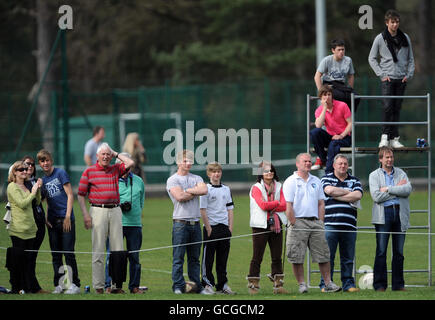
[(22, 228), (216, 209), (305, 212), (184, 189), (39, 216), (132, 196), (343, 193), (57, 190), (91, 146), (267, 214), (395, 68), (99, 183), (390, 189)]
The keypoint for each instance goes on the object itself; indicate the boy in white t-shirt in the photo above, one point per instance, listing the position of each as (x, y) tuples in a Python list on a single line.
[(217, 215)]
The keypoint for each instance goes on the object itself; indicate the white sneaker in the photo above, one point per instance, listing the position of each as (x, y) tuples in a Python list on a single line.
[(58, 290), (331, 287), (209, 289), (178, 291), (384, 141), (73, 289), (394, 143), (226, 290), (303, 288), (207, 292)]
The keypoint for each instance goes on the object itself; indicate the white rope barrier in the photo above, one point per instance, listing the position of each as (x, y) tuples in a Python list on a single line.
[(232, 237)]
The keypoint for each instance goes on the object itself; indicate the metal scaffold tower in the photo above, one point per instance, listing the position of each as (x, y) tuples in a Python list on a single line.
[(355, 149)]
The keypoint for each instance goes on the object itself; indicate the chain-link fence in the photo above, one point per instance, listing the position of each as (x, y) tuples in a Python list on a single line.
[(279, 105)]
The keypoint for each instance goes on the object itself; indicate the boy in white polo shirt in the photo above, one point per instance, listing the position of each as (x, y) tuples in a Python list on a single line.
[(305, 212), (217, 215)]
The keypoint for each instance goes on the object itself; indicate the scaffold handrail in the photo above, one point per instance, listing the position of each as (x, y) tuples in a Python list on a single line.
[(354, 149)]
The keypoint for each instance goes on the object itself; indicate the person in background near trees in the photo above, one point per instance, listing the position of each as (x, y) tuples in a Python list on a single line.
[(305, 212), (57, 190), (267, 214), (334, 70), (217, 215), (134, 147), (184, 189), (132, 196), (395, 69), (22, 228), (390, 189), (343, 193), (100, 183), (39, 216), (91, 146)]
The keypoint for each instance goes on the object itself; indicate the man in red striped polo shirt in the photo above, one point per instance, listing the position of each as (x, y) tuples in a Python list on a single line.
[(100, 183)]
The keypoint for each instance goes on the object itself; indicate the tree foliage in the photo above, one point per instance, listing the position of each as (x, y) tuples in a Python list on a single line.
[(129, 43)]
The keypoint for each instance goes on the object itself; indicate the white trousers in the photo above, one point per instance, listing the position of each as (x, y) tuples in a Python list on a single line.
[(106, 223)]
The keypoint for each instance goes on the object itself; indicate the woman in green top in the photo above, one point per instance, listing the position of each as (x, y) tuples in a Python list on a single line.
[(22, 228)]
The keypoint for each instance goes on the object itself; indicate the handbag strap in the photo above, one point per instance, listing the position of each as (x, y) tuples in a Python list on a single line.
[(131, 189)]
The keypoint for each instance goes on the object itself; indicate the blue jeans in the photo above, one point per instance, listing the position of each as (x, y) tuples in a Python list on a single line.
[(392, 224), (345, 240), (186, 233), (133, 235), (63, 241), (322, 139)]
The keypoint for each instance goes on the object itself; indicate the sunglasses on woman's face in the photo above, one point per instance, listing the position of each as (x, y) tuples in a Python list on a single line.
[(29, 164), (21, 169)]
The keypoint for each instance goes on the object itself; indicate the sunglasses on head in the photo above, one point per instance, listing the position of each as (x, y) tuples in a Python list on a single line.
[(21, 169)]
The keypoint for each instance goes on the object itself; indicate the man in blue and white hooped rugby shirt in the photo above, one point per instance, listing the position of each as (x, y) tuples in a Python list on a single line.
[(343, 193)]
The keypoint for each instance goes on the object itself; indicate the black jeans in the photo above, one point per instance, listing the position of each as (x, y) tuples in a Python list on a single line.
[(394, 87), (24, 278), (40, 234), (63, 241), (222, 249)]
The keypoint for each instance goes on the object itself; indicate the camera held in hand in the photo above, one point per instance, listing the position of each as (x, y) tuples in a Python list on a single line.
[(126, 206)]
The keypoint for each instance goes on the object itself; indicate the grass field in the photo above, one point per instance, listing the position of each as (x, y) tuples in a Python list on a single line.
[(156, 263)]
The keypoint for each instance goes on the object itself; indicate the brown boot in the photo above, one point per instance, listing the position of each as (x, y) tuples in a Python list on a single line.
[(253, 284), (278, 284)]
